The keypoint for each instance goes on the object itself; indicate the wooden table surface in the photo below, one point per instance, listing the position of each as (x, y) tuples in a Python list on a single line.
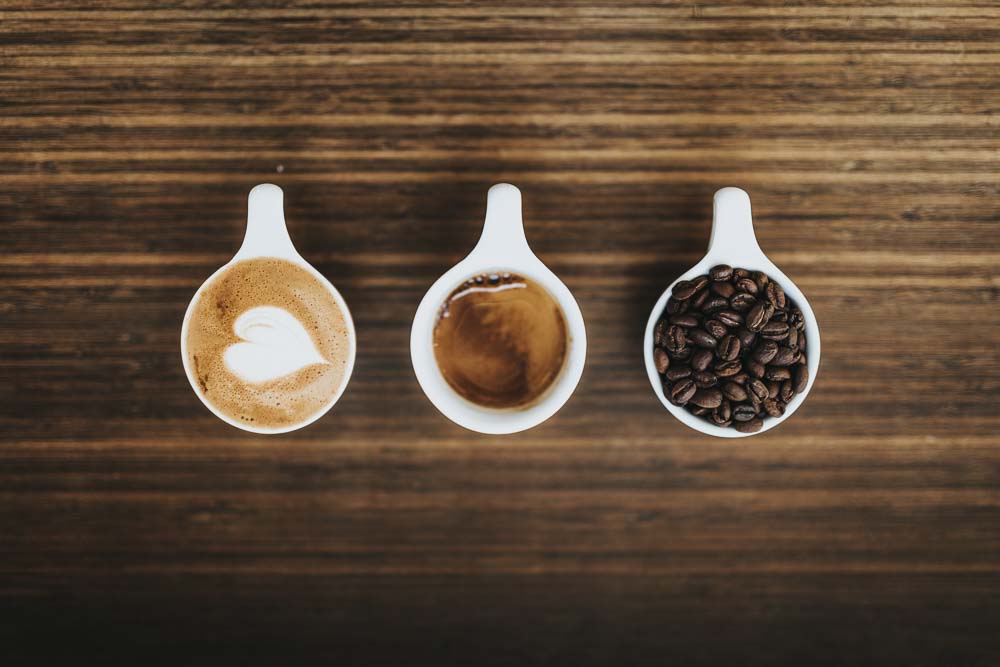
[(135, 526)]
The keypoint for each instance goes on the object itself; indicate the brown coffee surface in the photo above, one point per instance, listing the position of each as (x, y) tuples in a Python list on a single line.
[(500, 340), (290, 399)]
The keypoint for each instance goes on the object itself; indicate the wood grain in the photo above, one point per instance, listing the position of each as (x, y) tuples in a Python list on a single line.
[(136, 526)]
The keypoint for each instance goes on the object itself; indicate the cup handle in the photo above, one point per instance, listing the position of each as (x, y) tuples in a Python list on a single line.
[(267, 235), (503, 232), (732, 225)]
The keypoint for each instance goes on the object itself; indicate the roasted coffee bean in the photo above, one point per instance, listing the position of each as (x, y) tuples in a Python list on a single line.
[(765, 352), (686, 320), (758, 389), (774, 330), (677, 372), (775, 295), (727, 369), (747, 285), (682, 391), (786, 356), (751, 426), (705, 379), (759, 316), (742, 301), (701, 359), (800, 378), (734, 392), (661, 359), (676, 339), (746, 337), (731, 343), (716, 328), (675, 306), (686, 289), (707, 398), (728, 348), (702, 338), (787, 391), (721, 272), (774, 408), (729, 317), (714, 305), (777, 373), (725, 290)]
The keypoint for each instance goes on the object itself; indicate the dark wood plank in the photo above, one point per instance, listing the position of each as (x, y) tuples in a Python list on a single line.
[(134, 525)]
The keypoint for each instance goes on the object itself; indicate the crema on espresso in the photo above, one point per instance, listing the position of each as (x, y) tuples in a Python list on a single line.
[(267, 343)]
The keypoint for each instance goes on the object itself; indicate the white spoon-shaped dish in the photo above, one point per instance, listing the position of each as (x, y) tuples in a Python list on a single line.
[(502, 248), (733, 242), (267, 236)]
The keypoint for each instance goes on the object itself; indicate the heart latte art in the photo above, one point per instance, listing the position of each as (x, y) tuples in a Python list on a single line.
[(268, 344)]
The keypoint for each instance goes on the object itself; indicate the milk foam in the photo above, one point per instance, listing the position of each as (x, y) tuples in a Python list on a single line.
[(274, 344)]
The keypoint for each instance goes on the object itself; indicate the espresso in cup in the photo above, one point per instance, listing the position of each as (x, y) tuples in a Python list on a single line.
[(267, 343), (500, 340)]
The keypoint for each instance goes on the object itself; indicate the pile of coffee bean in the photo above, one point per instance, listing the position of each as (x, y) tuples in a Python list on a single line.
[(731, 348)]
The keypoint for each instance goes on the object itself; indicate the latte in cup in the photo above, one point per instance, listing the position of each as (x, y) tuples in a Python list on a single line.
[(500, 341), (267, 343)]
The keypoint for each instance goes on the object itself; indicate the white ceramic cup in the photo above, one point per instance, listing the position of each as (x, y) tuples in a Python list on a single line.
[(267, 237), (502, 247), (733, 242)]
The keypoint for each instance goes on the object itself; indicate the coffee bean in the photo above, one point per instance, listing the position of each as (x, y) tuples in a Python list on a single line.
[(705, 379), (707, 398), (686, 320), (773, 389), (742, 301), (747, 285), (701, 359), (759, 315), (699, 412), (801, 378), (661, 359), (721, 272), (725, 290), (683, 355), (787, 391), (725, 369), (765, 352), (725, 411), (686, 289), (682, 391), (716, 328), (675, 306), (660, 333), (786, 356), (797, 319), (746, 337), (755, 368), (751, 426), (729, 317), (744, 412), (740, 273), (734, 392), (777, 373), (739, 378), (774, 330), (677, 372), (702, 338), (758, 389), (761, 279), (793, 338), (774, 408), (729, 348), (775, 295), (780, 315), (716, 418), (676, 339), (699, 299), (714, 305)]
